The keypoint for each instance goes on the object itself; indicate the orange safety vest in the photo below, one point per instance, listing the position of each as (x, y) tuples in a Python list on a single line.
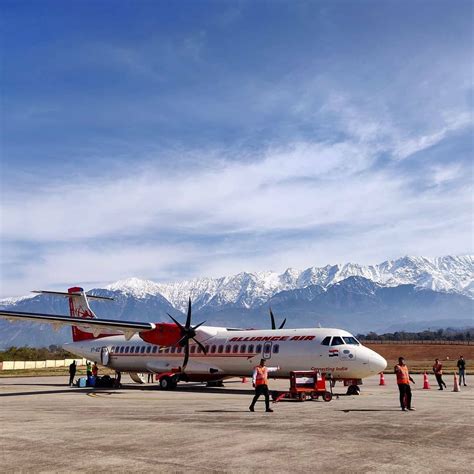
[(402, 374), (438, 369), (261, 377)]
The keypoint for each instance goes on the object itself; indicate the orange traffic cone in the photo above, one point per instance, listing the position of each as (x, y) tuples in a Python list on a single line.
[(456, 385), (244, 379), (382, 379), (426, 382)]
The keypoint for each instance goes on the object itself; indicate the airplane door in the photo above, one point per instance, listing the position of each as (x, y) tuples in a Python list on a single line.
[(267, 350), (104, 356)]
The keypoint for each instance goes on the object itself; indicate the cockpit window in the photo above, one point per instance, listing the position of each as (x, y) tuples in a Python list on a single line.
[(351, 340), (337, 341), (326, 341)]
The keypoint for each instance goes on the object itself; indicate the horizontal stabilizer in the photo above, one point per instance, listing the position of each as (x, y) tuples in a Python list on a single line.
[(67, 295), (126, 327)]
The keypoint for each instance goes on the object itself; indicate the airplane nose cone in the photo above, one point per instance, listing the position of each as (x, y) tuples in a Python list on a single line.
[(377, 363)]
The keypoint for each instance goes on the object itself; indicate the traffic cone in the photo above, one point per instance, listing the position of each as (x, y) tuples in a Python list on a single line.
[(456, 385), (382, 379), (244, 379), (426, 382)]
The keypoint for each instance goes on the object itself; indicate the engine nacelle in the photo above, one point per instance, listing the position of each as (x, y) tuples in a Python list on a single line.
[(164, 334)]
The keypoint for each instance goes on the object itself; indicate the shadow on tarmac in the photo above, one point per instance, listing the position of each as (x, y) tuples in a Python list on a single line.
[(370, 409)]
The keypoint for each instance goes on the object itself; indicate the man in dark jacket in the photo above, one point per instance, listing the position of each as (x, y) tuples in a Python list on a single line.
[(462, 370), (72, 373)]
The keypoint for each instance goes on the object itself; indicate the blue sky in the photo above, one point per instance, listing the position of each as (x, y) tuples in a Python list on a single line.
[(168, 140)]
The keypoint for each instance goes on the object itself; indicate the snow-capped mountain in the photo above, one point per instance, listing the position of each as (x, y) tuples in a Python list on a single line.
[(249, 290), (415, 291)]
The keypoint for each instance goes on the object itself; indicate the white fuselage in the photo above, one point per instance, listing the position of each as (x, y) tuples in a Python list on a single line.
[(237, 352)]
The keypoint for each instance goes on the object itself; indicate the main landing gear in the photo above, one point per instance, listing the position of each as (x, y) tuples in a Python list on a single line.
[(168, 382)]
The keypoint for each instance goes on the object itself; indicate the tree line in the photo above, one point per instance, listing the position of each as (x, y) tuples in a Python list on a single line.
[(35, 353), (449, 334)]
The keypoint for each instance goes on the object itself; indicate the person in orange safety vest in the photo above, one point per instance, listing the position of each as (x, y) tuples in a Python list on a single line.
[(438, 371), (403, 382), (260, 382)]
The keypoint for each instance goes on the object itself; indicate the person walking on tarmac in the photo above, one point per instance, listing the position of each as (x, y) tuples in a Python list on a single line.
[(462, 370), (403, 382), (260, 382), (438, 371), (88, 371), (72, 373)]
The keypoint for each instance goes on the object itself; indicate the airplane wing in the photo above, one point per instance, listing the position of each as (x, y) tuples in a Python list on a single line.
[(95, 326)]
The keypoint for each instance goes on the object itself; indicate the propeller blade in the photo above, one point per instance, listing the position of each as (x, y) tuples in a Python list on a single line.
[(200, 345), (186, 356), (188, 317), (177, 323), (200, 324), (282, 324), (273, 319)]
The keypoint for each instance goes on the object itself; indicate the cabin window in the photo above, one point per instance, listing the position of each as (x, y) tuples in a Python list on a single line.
[(179, 350), (243, 349), (258, 348), (199, 350), (220, 349), (127, 348), (235, 349), (351, 340), (276, 348), (193, 349), (251, 349), (172, 350), (326, 341), (337, 341), (122, 349), (228, 347), (207, 349), (148, 349), (213, 349), (142, 350), (155, 349), (167, 350)]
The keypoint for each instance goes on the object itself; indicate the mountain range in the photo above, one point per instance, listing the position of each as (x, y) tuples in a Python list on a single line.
[(415, 292)]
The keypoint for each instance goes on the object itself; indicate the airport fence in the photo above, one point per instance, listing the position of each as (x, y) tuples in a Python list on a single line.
[(414, 341), (38, 364)]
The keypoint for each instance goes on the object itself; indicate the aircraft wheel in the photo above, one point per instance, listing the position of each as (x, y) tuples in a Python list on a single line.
[(166, 383), (353, 390), (174, 382), (327, 396)]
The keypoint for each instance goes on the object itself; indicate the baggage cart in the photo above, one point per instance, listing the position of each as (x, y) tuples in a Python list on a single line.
[(305, 385)]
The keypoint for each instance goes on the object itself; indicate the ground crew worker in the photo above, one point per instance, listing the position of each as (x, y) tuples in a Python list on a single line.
[(95, 369), (438, 371), (260, 382), (72, 373), (462, 370), (403, 382), (88, 371)]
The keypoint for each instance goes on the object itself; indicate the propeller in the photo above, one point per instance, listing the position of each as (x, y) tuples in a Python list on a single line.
[(273, 321), (188, 332)]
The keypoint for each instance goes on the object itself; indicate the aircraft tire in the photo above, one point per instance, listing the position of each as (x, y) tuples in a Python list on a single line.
[(353, 390), (166, 383)]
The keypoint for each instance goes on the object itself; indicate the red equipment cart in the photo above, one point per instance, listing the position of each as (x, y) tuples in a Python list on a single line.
[(305, 384)]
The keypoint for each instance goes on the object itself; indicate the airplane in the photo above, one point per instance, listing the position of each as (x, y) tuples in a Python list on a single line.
[(186, 353)]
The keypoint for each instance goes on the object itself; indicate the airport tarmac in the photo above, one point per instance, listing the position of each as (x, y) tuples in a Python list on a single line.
[(47, 426)]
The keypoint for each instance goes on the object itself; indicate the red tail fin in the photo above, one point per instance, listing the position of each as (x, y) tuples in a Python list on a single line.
[(79, 308)]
